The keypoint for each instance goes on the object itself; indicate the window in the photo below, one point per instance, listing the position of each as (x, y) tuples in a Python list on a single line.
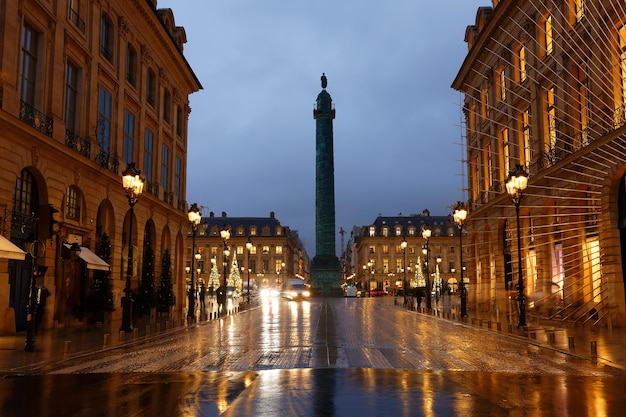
[(239, 250), (104, 120), (505, 153), (385, 249), (129, 137), (106, 38), (484, 103), (578, 7), (547, 35), (279, 266), (253, 250), (166, 105), (398, 230), (71, 97), (253, 231), (25, 199), (385, 231), (131, 65), (521, 64), (177, 178), (372, 231), (550, 103), (372, 249), (165, 167), (148, 154), (525, 140), (151, 88), (28, 75), (278, 231), (488, 181), (474, 173), (399, 265), (72, 204), (471, 119), (179, 121), (412, 231), (501, 84), (622, 47), (583, 103), (73, 14), (266, 250)]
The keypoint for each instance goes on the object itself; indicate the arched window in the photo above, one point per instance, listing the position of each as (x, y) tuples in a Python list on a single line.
[(72, 203)]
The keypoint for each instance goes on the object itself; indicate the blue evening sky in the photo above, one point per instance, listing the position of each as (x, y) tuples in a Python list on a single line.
[(389, 66)]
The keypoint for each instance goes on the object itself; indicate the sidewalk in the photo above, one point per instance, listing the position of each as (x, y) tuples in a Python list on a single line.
[(602, 345), (64, 343)]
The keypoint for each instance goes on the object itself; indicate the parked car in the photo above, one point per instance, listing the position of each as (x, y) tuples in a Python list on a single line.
[(350, 291)]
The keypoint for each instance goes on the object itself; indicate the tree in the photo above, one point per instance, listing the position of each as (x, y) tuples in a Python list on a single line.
[(147, 293), (165, 295), (101, 297)]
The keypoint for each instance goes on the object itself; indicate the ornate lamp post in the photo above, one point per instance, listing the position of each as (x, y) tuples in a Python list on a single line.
[(248, 247), (225, 234), (133, 185), (459, 215), (426, 232), (194, 217), (403, 245), (516, 183)]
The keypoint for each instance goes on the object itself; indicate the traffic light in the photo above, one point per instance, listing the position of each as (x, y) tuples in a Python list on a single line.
[(45, 225)]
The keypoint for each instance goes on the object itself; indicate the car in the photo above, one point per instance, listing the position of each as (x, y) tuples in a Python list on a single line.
[(296, 289), (350, 291)]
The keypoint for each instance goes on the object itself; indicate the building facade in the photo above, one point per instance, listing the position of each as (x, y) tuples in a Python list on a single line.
[(258, 248), (545, 89), (87, 87), (375, 259)]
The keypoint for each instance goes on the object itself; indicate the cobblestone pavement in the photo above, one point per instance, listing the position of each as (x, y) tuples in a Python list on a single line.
[(333, 333)]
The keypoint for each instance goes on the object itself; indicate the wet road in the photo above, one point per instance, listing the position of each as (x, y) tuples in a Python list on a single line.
[(336, 357)]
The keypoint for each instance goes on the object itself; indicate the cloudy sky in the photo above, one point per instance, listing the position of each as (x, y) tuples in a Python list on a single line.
[(389, 67)]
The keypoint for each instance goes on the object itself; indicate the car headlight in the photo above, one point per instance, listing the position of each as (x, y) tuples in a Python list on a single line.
[(306, 294)]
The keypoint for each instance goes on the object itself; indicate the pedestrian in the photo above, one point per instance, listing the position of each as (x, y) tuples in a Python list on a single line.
[(202, 295), (42, 295)]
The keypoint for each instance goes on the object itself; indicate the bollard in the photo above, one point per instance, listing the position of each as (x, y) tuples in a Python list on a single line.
[(105, 343), (68, 345), (135, 333), (122, 335), (570, 343), (551, 338), (147, 330), (594, 350)]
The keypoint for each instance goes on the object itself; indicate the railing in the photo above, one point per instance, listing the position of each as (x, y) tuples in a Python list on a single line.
[(108, 161), (78, 144), (168, 198), (35, 118), (152, 188)]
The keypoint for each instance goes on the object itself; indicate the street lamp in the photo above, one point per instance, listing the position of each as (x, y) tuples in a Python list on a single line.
[(133, 186), (516, 183), (426, 232), (403, 245), (249, 247), (460, 214), (194, 217), (225, 234)]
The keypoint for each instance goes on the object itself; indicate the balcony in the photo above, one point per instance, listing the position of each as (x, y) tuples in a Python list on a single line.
[(78, 144), (108, 161), (73, 17), (152, 188), (35, 118)]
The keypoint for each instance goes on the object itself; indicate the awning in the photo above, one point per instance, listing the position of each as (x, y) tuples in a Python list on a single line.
[(92, 260), (9, 251)]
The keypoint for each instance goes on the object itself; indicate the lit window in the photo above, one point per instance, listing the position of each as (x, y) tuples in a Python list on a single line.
[(505, 152), (521, 62), (372, 231), (525, 139), (385, 231), (548, 39), (72, 204), (398, 230), (279, 250), (501, 84), (266, 250), (551, 119)]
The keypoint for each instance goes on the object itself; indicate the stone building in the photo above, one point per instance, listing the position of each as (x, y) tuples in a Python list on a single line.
[(545, 89), (375, 259), (87, 87), (275, 252)]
